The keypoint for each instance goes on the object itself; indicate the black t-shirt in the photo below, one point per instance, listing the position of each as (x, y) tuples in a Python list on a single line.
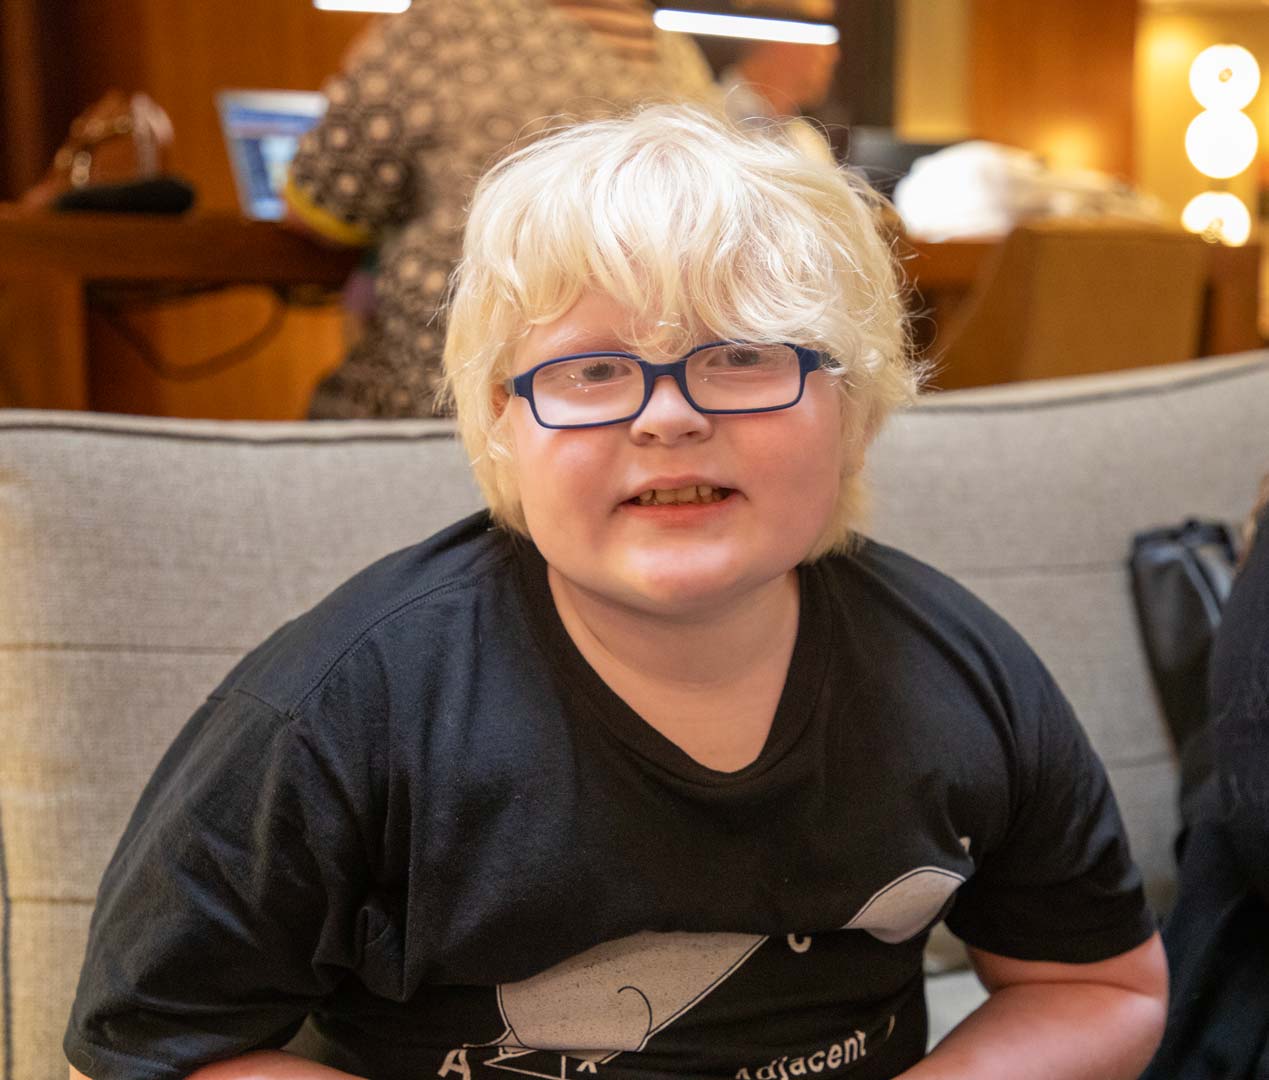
[(418, 818)]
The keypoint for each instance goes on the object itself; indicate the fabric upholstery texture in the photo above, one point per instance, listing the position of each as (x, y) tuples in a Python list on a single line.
[(139, 558)]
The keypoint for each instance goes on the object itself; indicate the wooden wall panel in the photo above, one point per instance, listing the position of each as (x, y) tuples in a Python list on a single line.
[(37, 98), (1056, 79), (196, 49), (931, 71), (107, 42), (30, 311), (22, 105)]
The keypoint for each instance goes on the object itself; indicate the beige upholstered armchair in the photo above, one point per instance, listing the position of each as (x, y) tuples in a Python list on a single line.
[(1071, 297)]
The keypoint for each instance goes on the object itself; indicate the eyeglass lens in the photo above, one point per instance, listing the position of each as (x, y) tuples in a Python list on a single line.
[(596, 389)]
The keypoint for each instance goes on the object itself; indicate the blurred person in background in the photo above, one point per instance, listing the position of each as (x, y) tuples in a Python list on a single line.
[(427, 99), (776, 81)]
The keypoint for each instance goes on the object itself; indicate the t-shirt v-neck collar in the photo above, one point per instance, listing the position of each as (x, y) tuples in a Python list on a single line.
[(808, 667)]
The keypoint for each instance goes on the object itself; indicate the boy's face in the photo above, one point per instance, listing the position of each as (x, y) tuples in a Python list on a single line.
[(580, 488)]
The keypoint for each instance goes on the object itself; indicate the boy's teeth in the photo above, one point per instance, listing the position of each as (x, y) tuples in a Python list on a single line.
[(699, 493)]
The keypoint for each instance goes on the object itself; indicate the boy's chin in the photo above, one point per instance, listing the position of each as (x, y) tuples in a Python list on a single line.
[(686, 590)]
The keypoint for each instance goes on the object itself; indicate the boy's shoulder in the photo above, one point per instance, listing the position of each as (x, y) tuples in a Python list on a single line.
[(925, 640), (405, 598), (905, 580), (905, 596)]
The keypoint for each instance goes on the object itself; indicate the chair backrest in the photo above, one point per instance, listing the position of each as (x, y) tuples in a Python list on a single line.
[(139, 558), (1072, 297)]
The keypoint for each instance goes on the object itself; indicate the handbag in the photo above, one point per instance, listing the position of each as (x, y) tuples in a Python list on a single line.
[(112, 159)]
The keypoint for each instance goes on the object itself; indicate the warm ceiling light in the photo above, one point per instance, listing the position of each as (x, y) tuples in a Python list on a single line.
[(390, 7), (1218, 215), (1224, 77), (1221, 143), (745, 26)]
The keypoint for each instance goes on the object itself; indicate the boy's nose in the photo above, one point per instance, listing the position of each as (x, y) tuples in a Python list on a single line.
[(669, 415)]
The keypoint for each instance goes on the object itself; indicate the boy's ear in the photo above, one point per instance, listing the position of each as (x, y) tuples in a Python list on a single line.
[(498, 398)]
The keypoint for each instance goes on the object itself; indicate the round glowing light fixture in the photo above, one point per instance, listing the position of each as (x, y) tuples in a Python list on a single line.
[(1221, 143), (1218, 215), (1224, 77)]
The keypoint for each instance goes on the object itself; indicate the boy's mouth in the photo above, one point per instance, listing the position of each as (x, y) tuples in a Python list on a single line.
[(699, 494)]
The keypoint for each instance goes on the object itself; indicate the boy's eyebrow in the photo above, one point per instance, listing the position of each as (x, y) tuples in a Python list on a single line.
[(577, 341)]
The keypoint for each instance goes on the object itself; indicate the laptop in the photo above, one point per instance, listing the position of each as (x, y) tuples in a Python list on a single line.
[(262, 130)]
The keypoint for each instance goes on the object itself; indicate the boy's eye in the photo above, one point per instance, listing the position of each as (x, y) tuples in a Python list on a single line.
[(738, 356), (597, 371), (727, 358), (583, 374)]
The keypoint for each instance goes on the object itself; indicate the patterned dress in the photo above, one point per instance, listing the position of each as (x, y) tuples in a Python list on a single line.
[(428, 100)]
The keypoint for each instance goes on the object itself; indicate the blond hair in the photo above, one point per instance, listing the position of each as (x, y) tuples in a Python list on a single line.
[(696, 227)]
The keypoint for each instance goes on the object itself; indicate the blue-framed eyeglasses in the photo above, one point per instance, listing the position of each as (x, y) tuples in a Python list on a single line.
[(595, 389)]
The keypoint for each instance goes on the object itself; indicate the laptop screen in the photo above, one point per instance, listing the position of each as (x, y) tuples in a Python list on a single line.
[(262, 130)]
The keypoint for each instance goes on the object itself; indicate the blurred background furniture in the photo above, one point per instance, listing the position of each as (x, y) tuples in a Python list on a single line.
[(1089, 84), (68, 282), (58, 271), (140, 557), (1068, 296)]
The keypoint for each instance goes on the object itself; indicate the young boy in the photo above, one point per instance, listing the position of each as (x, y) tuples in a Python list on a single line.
[(657, 769)]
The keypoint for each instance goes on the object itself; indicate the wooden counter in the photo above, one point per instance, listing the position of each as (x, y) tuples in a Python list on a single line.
[(50, 263)]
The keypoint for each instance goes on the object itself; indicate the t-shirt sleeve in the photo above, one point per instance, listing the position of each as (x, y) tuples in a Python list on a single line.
[(1058, 883), (355, 173), (233, 902)]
